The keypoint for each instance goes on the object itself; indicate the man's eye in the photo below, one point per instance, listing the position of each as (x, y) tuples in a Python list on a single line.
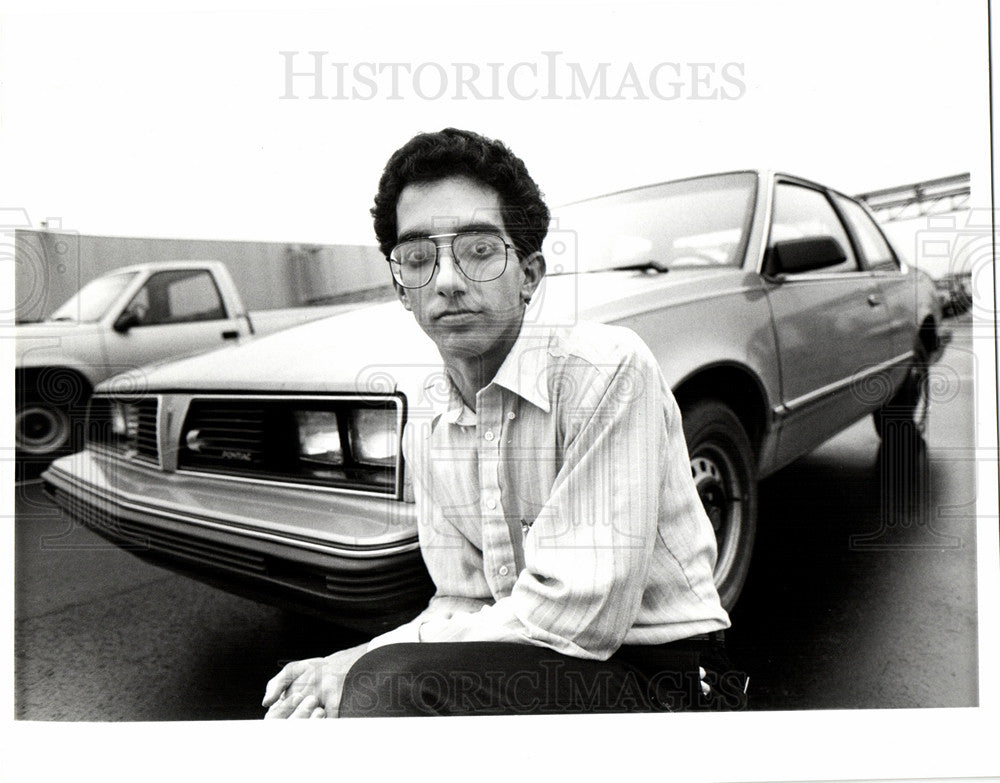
[(480, 247), (415, 256)]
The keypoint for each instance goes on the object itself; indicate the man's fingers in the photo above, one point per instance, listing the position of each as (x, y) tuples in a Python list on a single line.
[(280, 683), (705, 687), (306, 707), (283, 708), (298, 706), (277, 684)]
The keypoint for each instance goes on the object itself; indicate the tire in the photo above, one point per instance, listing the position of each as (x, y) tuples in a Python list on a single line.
[(723, 467), (50, 407), (42, 428), (910, 405)]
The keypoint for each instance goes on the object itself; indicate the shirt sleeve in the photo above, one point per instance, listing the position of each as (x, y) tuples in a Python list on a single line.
[(588, 551)]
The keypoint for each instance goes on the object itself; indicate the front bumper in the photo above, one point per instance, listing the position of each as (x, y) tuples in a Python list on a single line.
[(354, 561)]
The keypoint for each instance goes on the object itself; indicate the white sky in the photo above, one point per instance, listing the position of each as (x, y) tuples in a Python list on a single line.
[(170, 124)]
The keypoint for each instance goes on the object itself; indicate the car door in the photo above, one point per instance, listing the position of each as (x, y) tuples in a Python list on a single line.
[(898, 288), (832, 327), (177, 312)]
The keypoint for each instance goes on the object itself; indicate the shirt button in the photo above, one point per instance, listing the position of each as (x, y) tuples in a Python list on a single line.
[(491, 504), (489, 435), (511, 415), (504, 570)]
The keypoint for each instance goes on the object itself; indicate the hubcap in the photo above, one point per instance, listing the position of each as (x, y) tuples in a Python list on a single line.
[(40, 430), (708, 481), (717, 482)]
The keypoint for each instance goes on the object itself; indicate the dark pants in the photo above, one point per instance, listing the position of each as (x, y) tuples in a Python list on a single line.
[(500, 678)]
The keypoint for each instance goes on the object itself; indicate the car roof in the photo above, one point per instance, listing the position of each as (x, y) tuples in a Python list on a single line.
[(766, 174)]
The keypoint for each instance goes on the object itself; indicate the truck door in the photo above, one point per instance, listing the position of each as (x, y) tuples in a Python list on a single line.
[(177, 312)]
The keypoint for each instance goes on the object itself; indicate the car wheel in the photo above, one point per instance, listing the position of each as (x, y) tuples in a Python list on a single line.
[(42, 428), (722, 464), (910, 404), (50, 406)]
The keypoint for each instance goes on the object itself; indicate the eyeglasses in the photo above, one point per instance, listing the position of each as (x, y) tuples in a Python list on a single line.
[(479, 256)]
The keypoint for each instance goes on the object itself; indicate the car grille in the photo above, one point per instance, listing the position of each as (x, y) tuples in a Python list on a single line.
[(219, 433), (125, 427), (261, 439), (347, 443)]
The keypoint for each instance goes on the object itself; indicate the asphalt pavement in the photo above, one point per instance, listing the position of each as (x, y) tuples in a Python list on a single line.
[(862, 594)]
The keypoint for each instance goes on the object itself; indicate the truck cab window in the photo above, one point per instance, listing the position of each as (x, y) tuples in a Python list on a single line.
[(180, 296)]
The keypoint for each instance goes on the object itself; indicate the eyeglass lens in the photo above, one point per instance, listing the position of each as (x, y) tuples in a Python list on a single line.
[(480, 257)]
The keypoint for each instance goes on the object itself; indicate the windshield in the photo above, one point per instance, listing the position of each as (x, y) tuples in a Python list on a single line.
[(690, 223), (93, 300)]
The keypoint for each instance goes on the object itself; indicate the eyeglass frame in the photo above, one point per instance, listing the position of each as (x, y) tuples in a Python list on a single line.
[(507, 246)]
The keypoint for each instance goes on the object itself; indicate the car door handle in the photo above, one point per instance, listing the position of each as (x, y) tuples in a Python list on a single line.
[(874, 300), (230, 335)]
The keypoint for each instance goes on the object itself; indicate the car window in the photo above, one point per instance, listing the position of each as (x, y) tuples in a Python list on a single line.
[(876, 250), (178, 296), (688, 223), (801, 212)]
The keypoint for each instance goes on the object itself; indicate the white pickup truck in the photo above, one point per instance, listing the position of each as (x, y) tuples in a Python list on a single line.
[(128, 318)]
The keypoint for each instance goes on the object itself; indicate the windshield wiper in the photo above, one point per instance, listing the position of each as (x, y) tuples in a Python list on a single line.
[(652, 265)]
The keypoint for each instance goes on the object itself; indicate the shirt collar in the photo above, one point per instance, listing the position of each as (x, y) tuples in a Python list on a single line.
[(525, 372)]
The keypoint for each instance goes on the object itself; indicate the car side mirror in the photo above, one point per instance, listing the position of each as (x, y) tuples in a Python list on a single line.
[(792, 256), (126, 321)]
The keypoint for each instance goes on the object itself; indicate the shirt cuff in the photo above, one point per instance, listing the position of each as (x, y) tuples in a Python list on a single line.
[(410, 632)]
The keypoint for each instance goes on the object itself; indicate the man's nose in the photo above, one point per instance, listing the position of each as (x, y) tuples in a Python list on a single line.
[(448, 279)]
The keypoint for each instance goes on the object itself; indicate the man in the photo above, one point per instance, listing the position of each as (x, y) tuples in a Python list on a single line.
[(570, 553)]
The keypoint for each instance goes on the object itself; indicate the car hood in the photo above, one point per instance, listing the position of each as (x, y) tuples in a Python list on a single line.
[(379, 349), (48, 329), (37, 342)]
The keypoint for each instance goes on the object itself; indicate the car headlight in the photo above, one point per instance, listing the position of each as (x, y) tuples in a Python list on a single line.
[(374, 436), (124, 420), (119, 420), (319, 437)]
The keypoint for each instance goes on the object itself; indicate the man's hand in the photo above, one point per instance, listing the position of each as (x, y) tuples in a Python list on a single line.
[(310, 688)]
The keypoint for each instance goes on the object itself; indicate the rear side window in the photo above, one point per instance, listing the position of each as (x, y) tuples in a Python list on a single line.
[(801, 212), (876, 250)]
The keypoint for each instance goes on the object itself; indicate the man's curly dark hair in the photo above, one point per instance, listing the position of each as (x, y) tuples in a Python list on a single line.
[(432, 156)]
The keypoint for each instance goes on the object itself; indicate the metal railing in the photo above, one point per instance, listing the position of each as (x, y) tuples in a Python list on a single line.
[(929, 197)]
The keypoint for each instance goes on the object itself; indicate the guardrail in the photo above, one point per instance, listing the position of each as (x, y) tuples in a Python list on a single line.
[(930, 196)]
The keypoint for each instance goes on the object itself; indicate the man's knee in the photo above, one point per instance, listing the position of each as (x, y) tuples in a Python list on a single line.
[(395, 680)]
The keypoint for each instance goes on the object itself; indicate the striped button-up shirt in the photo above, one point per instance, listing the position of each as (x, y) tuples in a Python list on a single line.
[(562, 512)]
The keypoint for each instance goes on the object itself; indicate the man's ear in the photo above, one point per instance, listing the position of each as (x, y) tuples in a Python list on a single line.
[(533, 268), (401, 295)]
